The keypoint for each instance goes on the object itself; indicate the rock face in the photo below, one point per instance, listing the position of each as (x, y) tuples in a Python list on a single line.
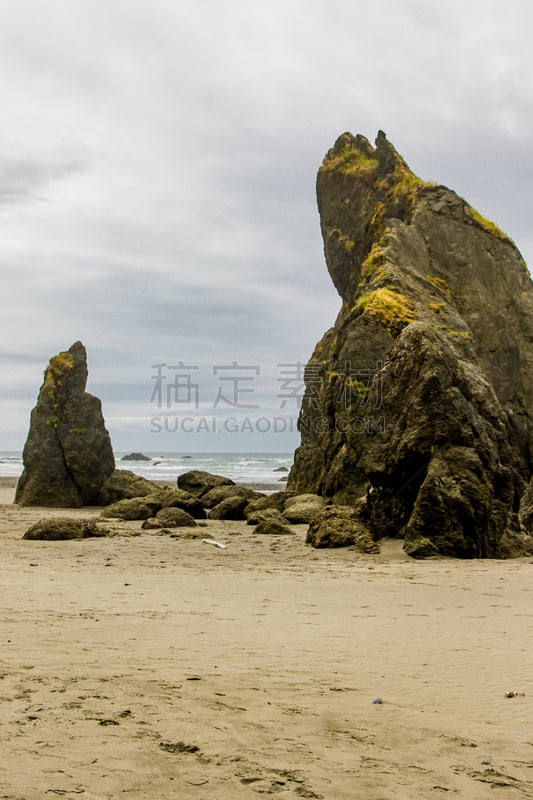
[(68, 454), (420, 398)]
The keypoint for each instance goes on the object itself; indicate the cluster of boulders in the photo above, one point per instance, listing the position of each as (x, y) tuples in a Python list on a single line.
[(203, 496)]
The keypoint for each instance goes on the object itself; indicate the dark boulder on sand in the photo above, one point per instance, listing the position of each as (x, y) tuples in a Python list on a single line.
[(303, 508), (63, 528), (215, 496), (123, 484), (232, 508), (169, 518), (274, 500), (263, 514), (341, 526), (177, 498), (273, 527), (133, 508), (68, 455), (198, 482)]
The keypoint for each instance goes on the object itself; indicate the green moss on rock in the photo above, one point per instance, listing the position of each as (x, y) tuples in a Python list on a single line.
[(391, 309), (351, 160)]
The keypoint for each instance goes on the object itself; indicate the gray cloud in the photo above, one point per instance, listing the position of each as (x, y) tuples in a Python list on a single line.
[(158, 163), (24, 178)]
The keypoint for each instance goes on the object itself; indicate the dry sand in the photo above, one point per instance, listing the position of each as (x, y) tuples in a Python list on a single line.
[(144, 666)]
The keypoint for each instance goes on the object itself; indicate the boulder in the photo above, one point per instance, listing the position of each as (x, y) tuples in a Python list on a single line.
[(303, 508), (68, 455), (135, 457), (215, 496), (177, 498), (198, 482), (123, 484), (421, 395), (136, 508), (61, 528), (274, 500), (230, 508), (341, 526), (170, 518), (263, 514), (272, 527)]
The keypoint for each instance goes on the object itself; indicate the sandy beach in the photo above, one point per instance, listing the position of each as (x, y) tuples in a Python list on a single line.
[(148, 666)]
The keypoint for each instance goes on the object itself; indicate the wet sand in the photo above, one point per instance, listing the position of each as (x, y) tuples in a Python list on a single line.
[(146, 666)]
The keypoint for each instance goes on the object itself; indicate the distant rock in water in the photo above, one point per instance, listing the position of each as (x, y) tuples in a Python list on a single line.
[(419, 400), (136, 457), (68, 455)]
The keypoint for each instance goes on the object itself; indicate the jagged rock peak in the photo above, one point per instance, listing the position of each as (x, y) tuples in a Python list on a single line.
[(420, 398), (68, 454), (360, 188)]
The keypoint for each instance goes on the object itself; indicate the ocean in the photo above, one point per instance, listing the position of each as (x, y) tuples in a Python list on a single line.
[(261, 468)]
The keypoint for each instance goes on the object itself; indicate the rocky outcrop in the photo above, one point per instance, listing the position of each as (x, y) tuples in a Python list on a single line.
[(68, 454), (419, 401)]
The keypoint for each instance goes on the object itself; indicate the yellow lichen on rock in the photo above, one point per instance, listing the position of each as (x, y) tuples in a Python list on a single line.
[(391, 309)]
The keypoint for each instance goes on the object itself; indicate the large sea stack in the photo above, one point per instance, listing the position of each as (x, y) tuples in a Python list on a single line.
[(68, 454), (418, 408)]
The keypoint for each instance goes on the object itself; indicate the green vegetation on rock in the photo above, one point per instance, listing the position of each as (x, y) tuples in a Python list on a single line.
[(439, 283), (489, 226), (351, 160), (391, 309), (56, 370)]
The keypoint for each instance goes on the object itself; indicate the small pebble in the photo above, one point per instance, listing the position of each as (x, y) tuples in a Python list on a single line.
[(378, 701)]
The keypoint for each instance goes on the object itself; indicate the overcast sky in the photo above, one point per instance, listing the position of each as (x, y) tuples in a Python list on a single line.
[(157, 183)]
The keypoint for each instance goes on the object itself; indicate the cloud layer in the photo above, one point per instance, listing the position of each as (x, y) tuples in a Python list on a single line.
[(157, 171)]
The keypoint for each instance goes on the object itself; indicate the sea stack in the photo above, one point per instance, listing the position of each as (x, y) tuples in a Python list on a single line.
[(418, 408), (68, 454)]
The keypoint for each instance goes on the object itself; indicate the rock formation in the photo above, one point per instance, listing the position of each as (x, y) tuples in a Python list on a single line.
[(198, 482), (56, 529), (419, 401), (68, 454)]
